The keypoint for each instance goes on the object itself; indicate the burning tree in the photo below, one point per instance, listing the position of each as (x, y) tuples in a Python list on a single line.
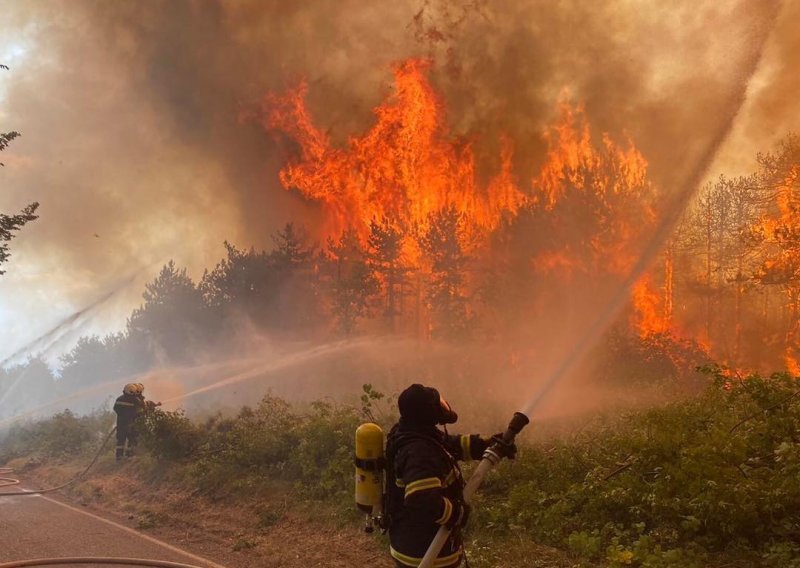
[(778, 234), (410, 192), (403, 169), (719, 221)]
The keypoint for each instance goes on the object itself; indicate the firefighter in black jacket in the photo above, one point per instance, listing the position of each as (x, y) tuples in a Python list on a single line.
[(424, 485), (129, 408)]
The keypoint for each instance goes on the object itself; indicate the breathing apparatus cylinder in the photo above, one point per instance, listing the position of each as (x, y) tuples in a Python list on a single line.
[(370, 465)]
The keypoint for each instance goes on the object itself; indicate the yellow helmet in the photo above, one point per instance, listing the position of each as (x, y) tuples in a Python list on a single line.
[(130, 388), (139, 388)]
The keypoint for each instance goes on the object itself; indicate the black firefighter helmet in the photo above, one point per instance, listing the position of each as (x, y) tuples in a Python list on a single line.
[(424, 406)]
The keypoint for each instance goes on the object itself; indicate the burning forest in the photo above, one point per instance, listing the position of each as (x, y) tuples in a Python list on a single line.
[(295, 224), (434, 192), (406, 200)]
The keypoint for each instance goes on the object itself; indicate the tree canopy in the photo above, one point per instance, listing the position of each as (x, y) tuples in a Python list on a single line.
[(10, 224)]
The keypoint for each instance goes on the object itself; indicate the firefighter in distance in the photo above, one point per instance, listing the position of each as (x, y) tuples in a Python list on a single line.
[(130, 408), (424, 485)]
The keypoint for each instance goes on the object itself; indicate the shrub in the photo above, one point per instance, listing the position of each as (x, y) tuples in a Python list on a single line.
[(712, 475), (322, 462), (312, 450), (60, 435), (680, 485), (169, 435)]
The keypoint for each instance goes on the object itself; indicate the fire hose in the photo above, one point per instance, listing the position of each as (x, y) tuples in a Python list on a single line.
[(491, 457), (101, 560), (108, 561), (6, 481)]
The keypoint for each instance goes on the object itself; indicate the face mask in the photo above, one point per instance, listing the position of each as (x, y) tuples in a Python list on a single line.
[(446, 415)]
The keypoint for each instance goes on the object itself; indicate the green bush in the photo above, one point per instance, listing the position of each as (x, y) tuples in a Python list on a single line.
[(677, 485), (311, 450), (686, 484), (169, 435), (61, 435), (322, 461)]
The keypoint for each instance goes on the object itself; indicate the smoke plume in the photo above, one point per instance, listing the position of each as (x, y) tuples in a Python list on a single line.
[(133, 140)]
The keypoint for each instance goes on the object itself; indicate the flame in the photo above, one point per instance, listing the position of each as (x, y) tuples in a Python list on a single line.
[(791, 361), (408, 166), (649, 317), (609, 182), (703, 344), (573, 161), (781, 264)]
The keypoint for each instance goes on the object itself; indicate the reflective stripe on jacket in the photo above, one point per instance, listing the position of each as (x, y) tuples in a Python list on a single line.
[(441, 562), (128, 407), (425, 489)]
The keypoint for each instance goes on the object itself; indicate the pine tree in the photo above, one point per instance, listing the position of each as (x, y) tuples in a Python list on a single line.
[(442, 245), (173, 316), (353, 283), (385, 254), (242, 284), (9, 224), (297, 304)]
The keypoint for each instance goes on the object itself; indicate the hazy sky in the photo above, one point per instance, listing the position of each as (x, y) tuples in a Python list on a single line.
[(134, 146)]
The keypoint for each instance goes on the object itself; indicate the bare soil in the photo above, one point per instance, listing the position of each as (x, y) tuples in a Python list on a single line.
[(264, 531)]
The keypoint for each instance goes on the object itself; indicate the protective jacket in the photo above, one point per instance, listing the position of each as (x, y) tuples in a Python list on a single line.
[(425, 489), (128, 408)]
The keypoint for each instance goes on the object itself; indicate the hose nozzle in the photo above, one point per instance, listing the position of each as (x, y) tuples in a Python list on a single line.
[(502, 447), (518, 422)]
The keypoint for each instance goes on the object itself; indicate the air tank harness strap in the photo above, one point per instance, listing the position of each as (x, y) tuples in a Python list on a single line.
[(370, 464)]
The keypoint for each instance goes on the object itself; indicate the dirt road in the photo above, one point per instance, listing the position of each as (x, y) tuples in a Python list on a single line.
[(38, 526)]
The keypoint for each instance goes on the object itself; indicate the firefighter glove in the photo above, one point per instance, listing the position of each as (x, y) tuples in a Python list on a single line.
[(505, 449)]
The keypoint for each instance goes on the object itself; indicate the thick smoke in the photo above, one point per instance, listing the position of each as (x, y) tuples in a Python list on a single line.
[(772, 108), (134, 144)]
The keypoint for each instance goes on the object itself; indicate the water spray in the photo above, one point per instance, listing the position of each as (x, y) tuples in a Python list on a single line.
[(57, 332), (113, 384), (276, 365), (249, 368), (618, 300)]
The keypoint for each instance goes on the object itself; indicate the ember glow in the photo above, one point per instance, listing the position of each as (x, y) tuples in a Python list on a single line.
[(651, 315), (778, 229)]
